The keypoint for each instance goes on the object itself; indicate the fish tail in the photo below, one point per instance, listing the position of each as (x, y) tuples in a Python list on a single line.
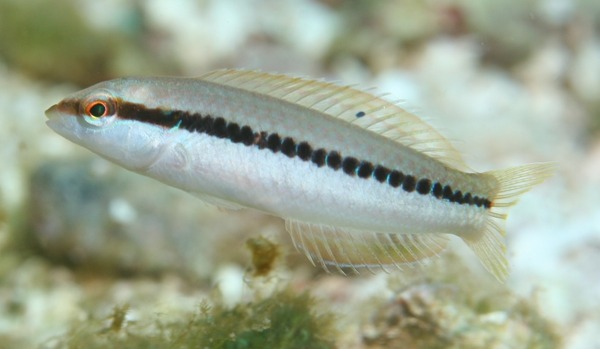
[(506, 188)]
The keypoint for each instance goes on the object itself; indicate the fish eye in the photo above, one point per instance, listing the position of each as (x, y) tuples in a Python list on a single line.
[(98, 109)]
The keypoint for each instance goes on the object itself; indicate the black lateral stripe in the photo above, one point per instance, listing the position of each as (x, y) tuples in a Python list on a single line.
[(140, 112), (437, 190), (409, 184), (288, 147), (247, 135), (260, 139), (233, 132), (381, 173), (349, 165), (274, 142), (334, 160), (395, 178), (304, 151), (244, 134), (424, 186), (318, 157), (365, 169)]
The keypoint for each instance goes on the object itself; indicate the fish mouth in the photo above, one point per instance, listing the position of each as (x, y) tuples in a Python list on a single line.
[(55, 118), (64, 107), (52, 112)]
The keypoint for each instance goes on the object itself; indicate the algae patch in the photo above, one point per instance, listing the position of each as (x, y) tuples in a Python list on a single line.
[(265, 254), (284, 320)]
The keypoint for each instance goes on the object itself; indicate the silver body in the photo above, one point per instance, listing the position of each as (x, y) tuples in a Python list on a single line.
[(338, 219), (266, 181)]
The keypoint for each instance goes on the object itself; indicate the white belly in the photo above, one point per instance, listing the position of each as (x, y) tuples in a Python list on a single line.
[(300, 190)]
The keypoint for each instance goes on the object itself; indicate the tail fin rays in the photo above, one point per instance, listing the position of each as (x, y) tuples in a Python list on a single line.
[(510, 184)]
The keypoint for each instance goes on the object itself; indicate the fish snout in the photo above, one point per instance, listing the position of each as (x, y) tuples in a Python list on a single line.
[(52, 111)]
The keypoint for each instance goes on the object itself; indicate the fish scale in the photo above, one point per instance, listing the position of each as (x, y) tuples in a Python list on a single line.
[(361, 182)]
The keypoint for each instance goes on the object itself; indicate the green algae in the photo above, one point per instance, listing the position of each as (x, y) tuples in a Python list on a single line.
[(265, 254), (284, 320)]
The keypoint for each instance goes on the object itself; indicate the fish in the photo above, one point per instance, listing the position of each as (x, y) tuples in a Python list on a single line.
[(360, 182)]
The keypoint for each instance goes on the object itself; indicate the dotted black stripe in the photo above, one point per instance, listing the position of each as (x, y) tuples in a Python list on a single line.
[(352, 166), (409, 184), (424, 186), (395, 178), (365, 169), (334, 160), (247, 135), (318, 157), (288, 147), (304, 151), (274, 142), (220, 128), (468, 199), (381, 173), (447, 193), (437, 190), (260, 139)]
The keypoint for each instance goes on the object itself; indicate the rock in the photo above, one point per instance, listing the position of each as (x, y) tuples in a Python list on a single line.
[(91, 215)]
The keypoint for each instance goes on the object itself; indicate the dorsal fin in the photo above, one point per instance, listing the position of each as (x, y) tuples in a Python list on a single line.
[(344, 102), (327, 246)]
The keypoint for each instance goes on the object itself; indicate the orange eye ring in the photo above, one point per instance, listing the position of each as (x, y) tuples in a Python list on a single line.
[(97, 109)]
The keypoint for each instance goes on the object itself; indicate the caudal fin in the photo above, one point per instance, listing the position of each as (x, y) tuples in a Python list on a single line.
[(509, 185)]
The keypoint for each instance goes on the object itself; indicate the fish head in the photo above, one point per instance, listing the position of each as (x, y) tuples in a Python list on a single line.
[(91, 119)]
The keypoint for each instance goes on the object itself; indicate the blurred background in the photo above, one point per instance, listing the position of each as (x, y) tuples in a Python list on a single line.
[(508, 82)]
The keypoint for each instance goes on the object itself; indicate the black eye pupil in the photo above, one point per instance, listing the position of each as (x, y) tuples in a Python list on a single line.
[(97, 110)]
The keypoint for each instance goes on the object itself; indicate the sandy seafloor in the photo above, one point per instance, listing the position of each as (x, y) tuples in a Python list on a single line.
[(508, 83)]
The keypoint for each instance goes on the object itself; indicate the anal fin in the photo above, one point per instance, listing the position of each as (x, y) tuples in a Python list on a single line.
[(329, 246)]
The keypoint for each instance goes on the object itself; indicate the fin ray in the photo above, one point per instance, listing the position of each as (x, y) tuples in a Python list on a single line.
[(342, 248), (342, 102), (507, 186)]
